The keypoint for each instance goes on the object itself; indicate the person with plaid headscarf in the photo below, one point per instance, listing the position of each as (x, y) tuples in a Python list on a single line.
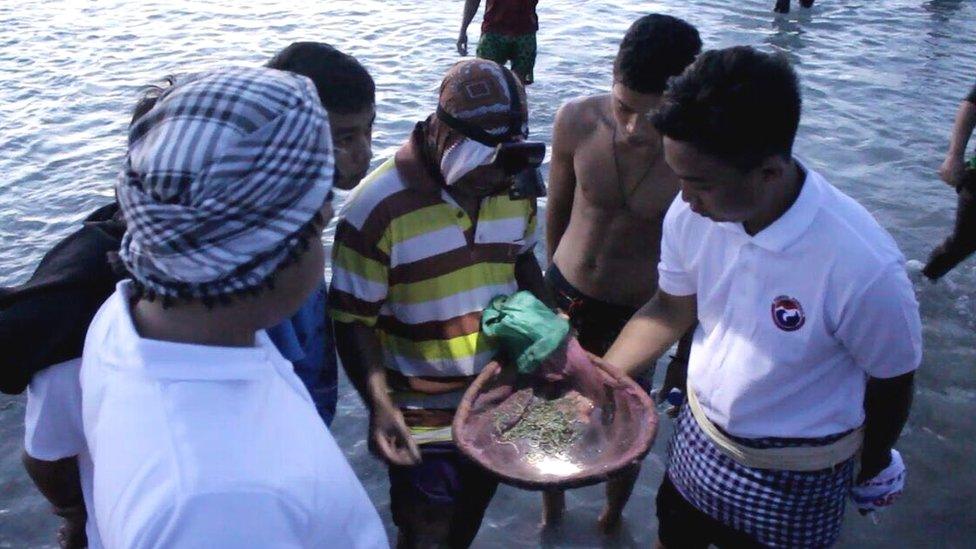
[(199, 430), (421, 247), (43, 322)]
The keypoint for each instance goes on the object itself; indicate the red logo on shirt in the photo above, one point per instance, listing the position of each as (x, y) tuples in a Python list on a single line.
[(787, 313)]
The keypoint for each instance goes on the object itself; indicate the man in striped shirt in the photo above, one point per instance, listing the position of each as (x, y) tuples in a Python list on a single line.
[(421, 248)]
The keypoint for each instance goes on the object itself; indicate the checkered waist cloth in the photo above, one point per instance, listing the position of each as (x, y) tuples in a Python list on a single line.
[(776, 508)]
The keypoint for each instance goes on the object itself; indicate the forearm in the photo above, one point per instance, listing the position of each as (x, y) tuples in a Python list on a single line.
[(470, 9), (887, 403), (58, 481), (962, 130), (651, 332), (362, 359), (528, 276)]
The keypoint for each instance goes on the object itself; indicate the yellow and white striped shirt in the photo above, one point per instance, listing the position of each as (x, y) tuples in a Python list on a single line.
[(408, 261)]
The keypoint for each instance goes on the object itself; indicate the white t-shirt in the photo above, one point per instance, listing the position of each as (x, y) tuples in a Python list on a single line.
[(202, 446), (794, 319), (53, 430)]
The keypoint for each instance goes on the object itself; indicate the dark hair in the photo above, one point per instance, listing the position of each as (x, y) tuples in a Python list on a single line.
[(738, 104), (655, 48), (343, 84), (150, 95)]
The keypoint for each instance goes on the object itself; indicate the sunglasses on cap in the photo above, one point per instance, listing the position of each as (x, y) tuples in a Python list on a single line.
[(516, 157)]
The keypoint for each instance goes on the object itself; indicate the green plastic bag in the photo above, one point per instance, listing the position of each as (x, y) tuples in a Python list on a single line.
[(525, 328)]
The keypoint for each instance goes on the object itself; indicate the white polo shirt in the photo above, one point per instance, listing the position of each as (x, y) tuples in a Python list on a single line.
[(794, 319), (202, 446), (53, 430)]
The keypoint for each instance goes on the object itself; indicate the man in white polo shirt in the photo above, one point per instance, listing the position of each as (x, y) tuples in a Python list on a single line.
[(200, 432), (808, 332)]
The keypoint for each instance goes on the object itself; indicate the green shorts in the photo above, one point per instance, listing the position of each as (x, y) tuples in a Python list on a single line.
[(519, 49)]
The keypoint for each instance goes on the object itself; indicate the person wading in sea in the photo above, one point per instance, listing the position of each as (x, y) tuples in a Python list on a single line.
[(43, 322), (198, 428), (803, 361), (507, 34), (783, 6), (962, 177), (609, 188), (421, 248), (953, 168)]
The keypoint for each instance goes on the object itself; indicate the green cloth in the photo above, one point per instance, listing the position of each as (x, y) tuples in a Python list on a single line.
[(524, 328)]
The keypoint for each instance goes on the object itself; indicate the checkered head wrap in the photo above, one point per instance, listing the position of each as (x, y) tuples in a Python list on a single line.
[(222, 180)]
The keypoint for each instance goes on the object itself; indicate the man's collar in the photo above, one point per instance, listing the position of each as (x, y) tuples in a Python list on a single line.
[(412, 161), (790, 226)]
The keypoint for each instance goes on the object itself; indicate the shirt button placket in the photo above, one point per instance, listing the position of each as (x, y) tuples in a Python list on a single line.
[(750, 289), (741, 284)]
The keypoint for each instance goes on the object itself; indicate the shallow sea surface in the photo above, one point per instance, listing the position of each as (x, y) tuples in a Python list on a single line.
[(881, 82)]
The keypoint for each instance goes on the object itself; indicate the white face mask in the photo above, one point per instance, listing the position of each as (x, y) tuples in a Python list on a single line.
[(463, 158)]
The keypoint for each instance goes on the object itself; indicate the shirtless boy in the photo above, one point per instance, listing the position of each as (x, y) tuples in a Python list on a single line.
[(609, 189)]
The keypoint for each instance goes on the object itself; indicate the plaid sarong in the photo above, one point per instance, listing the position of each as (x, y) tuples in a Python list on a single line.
[(776, 508), (221, 180)]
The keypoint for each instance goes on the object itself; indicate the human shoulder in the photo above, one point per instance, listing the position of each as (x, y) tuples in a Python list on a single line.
[(103, 327), (855, 250), (578, 118), (378, 187), (679, 217), (853, 233)]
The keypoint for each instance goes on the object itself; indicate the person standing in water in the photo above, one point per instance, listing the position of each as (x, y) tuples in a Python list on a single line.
[(609, 188), (198, 428), (783, 6), (808, 335), (421, 248), (955, 171), (507, 34), (43, 322), (348, 93), (953, 168)]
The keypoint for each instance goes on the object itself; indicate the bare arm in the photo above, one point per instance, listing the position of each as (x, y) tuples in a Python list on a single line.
[(652, 331), (953, 167), (886, 406), (60, 484), (470, 9), (362, 358), (360, 352), (562, 181)]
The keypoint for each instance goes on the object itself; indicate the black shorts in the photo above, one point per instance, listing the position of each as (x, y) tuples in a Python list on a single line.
[(445, 490), (682, 526), (597, 323)]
